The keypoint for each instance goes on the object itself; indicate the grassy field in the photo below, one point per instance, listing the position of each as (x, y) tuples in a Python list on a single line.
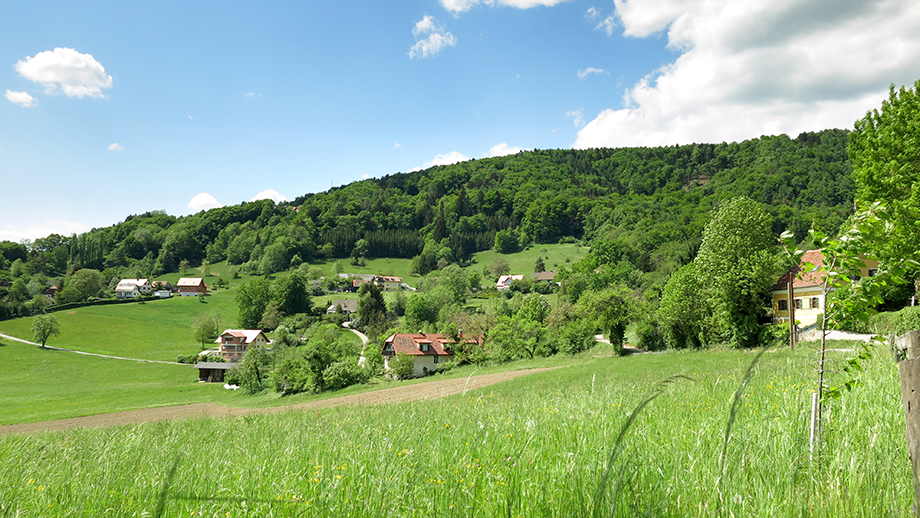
[(40, 384), (153, 330), (536, 446)]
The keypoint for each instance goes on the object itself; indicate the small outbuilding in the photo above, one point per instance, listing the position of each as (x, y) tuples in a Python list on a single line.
[(212, 372)]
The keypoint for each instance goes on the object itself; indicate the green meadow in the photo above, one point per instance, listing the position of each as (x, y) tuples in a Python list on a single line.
[(153, 330), (535, 446)]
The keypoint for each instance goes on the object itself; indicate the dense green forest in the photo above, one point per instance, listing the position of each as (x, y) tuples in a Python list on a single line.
[(642, 211)]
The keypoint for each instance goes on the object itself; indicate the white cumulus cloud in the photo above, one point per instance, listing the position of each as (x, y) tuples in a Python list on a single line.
[(583, 73), (115, 146), (270, 194), (21, 98), (443, 159), (759, 67), (74, 74), (460, 6), (437, 38), (503, 149), (17, 233), (203, 201), (577, 117)]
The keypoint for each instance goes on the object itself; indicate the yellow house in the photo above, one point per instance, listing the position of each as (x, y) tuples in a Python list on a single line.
[(387, 282), (808, 298)]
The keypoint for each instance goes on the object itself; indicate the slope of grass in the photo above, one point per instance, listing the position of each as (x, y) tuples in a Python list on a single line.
[(153, 330), (554, 257), (41, 384), (535, 446)]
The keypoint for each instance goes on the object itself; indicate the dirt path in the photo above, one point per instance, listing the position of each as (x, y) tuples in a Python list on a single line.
[(415, 392), (8, 337)]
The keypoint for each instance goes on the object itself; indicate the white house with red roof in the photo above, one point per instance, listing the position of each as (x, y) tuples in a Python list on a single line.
[(235, 342), (426, 350)]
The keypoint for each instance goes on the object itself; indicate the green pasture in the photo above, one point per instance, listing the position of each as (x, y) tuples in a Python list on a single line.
[(42, 384), (536, 446), (158, 329), (554, 257)]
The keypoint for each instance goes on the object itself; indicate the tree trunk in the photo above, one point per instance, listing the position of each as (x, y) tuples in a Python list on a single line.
[(909, 370)]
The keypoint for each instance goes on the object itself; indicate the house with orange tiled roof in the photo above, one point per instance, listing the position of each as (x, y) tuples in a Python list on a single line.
[(426, 350), (235, 342), (387, 282), (808, 297)]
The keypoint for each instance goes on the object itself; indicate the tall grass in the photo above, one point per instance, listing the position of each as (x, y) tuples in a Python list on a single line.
[(535, 446)]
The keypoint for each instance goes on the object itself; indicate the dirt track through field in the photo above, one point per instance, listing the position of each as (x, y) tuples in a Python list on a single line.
[(414, 392)]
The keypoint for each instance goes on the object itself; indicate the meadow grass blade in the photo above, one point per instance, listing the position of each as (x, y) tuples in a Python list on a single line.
[(615, 450), (732, 414)]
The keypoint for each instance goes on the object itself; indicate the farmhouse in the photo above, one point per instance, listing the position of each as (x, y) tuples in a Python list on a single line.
[(347, 306), (549, 277), (427, 350), (191, 286), (131, 288), (387, 283), (808, 299), (235, 342)]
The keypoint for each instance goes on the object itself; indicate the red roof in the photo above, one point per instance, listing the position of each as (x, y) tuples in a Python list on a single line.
[(807, 279), (410, 344)]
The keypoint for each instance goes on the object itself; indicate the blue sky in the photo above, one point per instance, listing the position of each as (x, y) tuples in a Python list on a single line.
[(112, 109)]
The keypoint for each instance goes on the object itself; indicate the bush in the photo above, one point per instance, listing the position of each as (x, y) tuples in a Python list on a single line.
[(446, 366), (342, 374), (575, 337), (402, 366), (650, 336)]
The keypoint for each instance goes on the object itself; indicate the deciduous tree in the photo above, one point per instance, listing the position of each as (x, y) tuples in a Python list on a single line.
[(44, 327)]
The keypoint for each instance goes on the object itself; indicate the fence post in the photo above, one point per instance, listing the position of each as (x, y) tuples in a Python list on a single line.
[(909, 370)]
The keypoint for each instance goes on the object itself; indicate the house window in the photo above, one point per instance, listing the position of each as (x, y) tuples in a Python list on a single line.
[(425, 347), (873, 272), (388, 348), (815, 303), (782, 305), (435, 359), (798, 303)]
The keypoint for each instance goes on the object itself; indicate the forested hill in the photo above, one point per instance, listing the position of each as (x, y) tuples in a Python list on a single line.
[(640, 207)]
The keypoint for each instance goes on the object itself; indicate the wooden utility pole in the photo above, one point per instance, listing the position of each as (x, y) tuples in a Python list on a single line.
[(909, 369), (791, 305)]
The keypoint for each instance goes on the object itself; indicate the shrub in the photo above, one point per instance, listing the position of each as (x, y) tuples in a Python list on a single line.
[(402, 366), (650, 336), (446, 366), (342, 374)]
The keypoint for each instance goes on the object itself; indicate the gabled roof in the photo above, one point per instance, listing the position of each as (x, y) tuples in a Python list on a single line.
[(132, 282), (810, 278), (126, 288), (190, 281), (350, 305), (409, 344), (508, 279), (387, 278), (544, 276), (247, 334)]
